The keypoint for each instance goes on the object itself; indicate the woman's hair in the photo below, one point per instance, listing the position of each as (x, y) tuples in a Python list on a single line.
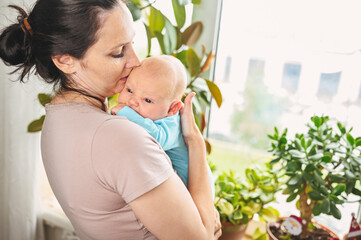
[(53, 27)]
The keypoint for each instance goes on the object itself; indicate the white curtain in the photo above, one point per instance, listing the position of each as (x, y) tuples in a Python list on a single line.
[(20, 216)]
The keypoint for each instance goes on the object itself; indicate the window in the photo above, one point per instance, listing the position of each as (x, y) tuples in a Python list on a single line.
[(329, 84), (291, 76), (284, 68)]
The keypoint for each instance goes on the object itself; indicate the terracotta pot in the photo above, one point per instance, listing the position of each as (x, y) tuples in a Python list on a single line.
[(272, 237), (232, 231)]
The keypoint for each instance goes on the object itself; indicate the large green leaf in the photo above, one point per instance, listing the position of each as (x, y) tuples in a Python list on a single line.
[(36, 125), (194, 62), (135, 10), (149, 37), (170, 38), (197, 2), (192, 33), (182, 56), (160, 38), (156, 20), (179, 13), (44, 98), (215, 92)]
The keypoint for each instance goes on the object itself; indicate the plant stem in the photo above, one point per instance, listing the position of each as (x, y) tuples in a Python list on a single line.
[(305, 209)]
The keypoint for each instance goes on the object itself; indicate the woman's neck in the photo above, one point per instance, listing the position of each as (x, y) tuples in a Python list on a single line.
[(66, 96)]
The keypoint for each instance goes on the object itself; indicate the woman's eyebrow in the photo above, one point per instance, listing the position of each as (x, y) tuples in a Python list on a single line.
[(118, 46)]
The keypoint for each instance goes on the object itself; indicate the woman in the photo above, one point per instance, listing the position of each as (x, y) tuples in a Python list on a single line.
[(111, 178)]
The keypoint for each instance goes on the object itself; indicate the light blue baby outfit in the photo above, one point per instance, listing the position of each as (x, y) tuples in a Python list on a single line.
[(167, 132)]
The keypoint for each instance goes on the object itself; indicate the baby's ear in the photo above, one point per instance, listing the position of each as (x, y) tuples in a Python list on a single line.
[(175, 107)]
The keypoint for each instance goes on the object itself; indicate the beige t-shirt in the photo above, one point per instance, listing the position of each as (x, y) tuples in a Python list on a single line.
[(98, 163)]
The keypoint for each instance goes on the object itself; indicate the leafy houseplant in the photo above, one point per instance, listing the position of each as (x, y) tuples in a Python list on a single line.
[(238, 200), (320, 168), (175, 40)]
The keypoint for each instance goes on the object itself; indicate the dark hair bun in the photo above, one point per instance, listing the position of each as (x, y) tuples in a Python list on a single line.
[(13, 45)]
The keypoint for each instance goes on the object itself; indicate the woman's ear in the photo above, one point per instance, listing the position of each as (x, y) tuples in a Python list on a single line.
[(174, 107), (65, 62)]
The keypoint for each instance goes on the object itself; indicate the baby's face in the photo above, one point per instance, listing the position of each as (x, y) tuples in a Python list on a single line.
[(146, 94)]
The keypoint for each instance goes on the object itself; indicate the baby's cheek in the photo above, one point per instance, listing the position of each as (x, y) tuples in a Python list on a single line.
[(122, 97)]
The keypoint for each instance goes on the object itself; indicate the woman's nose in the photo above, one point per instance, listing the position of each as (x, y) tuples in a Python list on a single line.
[(133, 60)]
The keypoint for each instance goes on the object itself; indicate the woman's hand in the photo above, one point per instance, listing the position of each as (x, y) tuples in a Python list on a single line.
[(217, 226), (189, 127)]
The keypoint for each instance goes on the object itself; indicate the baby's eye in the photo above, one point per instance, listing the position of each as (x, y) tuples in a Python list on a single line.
[(148, 100), (129, 90)]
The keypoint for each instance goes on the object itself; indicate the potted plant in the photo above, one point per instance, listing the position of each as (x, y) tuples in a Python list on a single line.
[(319, 169), (239, 199)]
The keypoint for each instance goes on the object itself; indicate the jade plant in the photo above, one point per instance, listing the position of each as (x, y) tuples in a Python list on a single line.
[(238, 199), (319, 169)]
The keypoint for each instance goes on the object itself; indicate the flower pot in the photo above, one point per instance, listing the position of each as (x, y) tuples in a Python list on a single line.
[(317, 225), (232, 231)]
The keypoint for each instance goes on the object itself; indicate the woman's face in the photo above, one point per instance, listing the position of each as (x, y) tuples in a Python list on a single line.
[(106, 65)]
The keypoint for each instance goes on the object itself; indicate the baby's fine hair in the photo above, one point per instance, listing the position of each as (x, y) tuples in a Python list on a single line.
[(167, 62)]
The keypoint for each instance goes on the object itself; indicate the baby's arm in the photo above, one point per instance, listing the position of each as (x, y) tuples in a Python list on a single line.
[(161, 130)]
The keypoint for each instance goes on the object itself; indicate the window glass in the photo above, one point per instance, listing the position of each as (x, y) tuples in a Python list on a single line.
[(278, 63)]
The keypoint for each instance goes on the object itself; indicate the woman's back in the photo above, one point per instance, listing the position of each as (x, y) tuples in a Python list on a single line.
[(94, 189)]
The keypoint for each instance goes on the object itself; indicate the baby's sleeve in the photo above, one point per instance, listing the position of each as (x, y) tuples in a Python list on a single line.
[(164, 131), (127, 160)]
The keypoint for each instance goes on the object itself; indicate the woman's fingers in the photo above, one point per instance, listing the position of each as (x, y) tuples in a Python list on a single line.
[(188, 103), (189, 127), (218, 234)]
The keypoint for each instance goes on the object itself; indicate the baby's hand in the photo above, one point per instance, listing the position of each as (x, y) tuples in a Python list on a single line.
[(116, 109)]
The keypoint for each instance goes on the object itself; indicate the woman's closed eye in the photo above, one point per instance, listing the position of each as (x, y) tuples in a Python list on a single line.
[(119, 55)]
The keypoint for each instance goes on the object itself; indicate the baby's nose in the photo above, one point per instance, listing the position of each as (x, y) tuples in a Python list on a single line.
[(133, 102)]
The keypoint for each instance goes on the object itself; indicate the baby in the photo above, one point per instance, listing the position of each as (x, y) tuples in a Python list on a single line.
[(151, 98)]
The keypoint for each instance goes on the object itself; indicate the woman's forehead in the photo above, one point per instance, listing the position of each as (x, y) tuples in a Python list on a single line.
[(117, 28)]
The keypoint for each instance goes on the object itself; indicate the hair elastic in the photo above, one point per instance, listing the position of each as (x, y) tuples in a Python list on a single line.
[(27, 26)]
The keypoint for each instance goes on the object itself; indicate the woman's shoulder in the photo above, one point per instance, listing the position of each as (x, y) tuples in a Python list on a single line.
[(122, 131)]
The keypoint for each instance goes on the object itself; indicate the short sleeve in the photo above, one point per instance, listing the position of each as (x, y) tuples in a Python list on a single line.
[(127, 160)]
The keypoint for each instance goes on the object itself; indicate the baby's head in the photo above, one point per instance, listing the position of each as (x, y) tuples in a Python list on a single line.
[(155, 88)]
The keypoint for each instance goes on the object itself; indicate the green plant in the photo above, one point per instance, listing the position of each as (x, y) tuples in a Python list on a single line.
[(320, 168), (175, 40), (238, 199)]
